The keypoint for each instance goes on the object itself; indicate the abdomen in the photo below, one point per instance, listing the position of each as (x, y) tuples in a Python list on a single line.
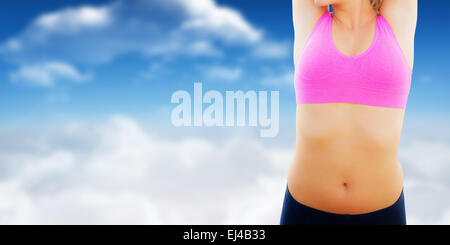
[(346, 157)]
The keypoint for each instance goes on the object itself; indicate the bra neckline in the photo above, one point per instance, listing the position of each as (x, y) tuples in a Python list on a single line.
[(365, 52)]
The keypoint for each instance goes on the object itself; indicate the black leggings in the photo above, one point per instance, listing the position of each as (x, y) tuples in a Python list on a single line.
[(295, 213)]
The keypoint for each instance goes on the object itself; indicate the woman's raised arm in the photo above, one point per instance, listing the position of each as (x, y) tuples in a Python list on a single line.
[(402, 16), (305, 15)]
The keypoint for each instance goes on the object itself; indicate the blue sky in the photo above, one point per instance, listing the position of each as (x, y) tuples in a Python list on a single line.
[(126, 80), (85, 111)]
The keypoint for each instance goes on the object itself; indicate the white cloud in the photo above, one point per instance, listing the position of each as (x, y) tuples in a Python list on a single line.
[(445, 220), (426, 170), (285, 78), (47, 74), (12, 45), (195, 49), (272, 50), (119, 173), (257, 204), (435, 154), (222, 73), (74, 19), (425, 79), (206, 15)]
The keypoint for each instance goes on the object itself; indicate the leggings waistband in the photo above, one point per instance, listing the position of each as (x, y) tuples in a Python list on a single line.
[(294, 212)]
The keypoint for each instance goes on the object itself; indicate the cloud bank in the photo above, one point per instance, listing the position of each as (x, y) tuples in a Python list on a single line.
[(119, 173)]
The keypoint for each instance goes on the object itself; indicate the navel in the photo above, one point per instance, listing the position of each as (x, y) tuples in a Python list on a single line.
[(345, 185)]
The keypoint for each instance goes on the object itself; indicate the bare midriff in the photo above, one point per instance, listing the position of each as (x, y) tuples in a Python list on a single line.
[(346, 157)]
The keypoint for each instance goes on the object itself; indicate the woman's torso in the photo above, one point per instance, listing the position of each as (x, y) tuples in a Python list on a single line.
[(346, 155)]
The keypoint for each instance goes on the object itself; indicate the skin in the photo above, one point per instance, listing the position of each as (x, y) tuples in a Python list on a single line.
[(346, 154)]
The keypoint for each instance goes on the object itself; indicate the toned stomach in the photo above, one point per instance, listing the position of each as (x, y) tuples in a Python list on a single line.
[(346, 157)]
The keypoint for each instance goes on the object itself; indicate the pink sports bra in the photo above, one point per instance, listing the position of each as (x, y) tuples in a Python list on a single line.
[(380, 76)]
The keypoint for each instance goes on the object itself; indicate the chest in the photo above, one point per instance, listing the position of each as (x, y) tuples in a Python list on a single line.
[(352, 42), (376, 60)]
